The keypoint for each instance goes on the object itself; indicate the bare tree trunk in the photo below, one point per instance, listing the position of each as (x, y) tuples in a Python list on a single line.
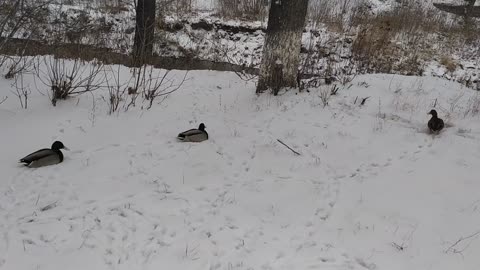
[(281, 52), (144, 30)]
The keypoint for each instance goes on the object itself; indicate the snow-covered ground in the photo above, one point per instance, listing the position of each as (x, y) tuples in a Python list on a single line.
[(370, 190)]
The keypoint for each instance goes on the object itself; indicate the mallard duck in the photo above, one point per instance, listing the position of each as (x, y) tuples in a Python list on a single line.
[(435, 124), (194, 135), (45, 157)]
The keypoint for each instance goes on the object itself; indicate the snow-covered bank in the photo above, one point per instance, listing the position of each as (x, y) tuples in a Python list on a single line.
[(370, 190)]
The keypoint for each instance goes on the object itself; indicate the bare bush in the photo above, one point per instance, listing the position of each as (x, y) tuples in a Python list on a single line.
[(21, 91), (161, 86), (151, 84), (410, 17), (19, 65), (67, 78), (116, 89), (20, 18), (400, 40)]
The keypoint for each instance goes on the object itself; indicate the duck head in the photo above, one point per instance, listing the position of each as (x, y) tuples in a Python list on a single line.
[(202, 127), (57, 145), (433, 113)]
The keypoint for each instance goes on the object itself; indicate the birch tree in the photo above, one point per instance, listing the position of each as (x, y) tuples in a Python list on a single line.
[(281, 51)]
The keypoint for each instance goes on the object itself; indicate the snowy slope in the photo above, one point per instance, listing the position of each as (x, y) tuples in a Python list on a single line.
[(129, 196)]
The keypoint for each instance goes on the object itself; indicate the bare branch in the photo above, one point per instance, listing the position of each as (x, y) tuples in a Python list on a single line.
[(116, 90), (21, 91), (157, 92), (65, 81)]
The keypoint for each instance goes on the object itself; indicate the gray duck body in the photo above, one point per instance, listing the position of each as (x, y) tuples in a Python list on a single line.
[(45, 157), (435, 124), (194, 134)]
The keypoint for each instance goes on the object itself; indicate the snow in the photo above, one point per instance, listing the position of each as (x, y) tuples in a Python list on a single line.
[(370, 190)]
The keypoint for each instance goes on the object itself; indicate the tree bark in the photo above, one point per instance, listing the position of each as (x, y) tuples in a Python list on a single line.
[(283, 40), (144, 30)]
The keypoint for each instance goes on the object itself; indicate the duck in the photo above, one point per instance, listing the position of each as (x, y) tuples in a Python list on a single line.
[(194, 134), (45, 157), (435, 124)]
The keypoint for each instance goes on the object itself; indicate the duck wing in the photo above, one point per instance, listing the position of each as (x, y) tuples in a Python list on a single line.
[(440, 124), (51, 159), (189, 132), (436, 124), (193, 135), (42, 153)]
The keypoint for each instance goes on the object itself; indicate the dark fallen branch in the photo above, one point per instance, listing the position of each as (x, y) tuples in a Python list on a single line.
[(295, 152)]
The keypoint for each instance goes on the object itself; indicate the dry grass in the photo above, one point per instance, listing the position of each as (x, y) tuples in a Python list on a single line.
[(449, 63), (396, 41), (400, 40), (178, 7), (254, 10), (473, 106)]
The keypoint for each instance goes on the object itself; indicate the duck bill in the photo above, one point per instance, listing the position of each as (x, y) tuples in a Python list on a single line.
[(66, 148)]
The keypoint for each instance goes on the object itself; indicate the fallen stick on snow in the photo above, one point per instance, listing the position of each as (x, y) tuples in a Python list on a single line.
[(288, 147), (363, 101), (452, 247), (48, 207)]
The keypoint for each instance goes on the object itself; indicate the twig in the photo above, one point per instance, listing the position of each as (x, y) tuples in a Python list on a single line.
[(363, 101), (398, 247), (435, 104), (48, 207), (334, 90), (3, 100), (85, 236), (295, 152), (452, 247)]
